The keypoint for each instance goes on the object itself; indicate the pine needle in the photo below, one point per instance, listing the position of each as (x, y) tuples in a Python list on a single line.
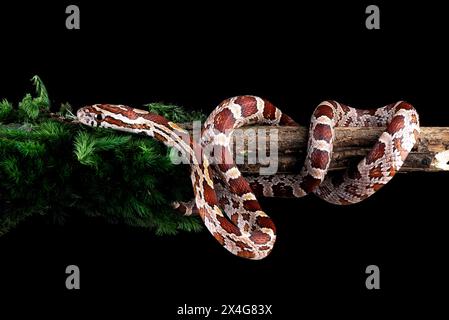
[(58, 169)]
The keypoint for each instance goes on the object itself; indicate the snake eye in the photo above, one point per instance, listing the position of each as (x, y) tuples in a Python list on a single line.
[(99, 117)]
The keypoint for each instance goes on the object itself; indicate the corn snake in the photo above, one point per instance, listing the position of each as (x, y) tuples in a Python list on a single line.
[(227, 202)]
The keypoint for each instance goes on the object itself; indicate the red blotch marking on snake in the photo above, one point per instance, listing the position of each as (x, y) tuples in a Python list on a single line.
[(320, 159), (246, 216), (259, 237), (225, 166), (245, 101), (242, 245), (405, 105), (224, 202), (322, 132), (251, 205), (209, 194), (228, 226), (265, 222), (224, 120), (235, 218), (239, 186), (248, 104), (396, 124), (287, 121), (121, 110), (156, 118), (324, 110), (376, 153), (246, 254), (269, 111), (257, 188), (376, 172)]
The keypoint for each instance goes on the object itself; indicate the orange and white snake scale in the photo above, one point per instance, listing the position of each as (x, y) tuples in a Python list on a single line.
[(226, 201)]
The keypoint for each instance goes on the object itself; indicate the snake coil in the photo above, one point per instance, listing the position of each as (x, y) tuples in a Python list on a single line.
[(226, 201)]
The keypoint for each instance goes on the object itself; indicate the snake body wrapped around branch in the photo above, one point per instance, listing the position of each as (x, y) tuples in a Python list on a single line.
[(227, 202)]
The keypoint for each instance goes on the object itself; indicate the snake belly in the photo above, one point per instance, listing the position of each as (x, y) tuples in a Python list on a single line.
[(226, 201)]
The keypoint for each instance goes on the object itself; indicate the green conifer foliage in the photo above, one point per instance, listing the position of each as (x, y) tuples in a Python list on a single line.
[(59, 169)]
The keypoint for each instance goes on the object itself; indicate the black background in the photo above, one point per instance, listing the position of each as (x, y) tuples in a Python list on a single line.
[(196, 55)]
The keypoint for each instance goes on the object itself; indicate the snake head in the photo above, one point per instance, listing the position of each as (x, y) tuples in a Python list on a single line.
[(90, 116)]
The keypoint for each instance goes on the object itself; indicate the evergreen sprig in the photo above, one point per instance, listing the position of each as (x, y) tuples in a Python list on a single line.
[(61, 169), (5, 110), (175, 113)]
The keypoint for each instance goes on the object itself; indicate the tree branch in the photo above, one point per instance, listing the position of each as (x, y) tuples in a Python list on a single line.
[(430, 154)]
